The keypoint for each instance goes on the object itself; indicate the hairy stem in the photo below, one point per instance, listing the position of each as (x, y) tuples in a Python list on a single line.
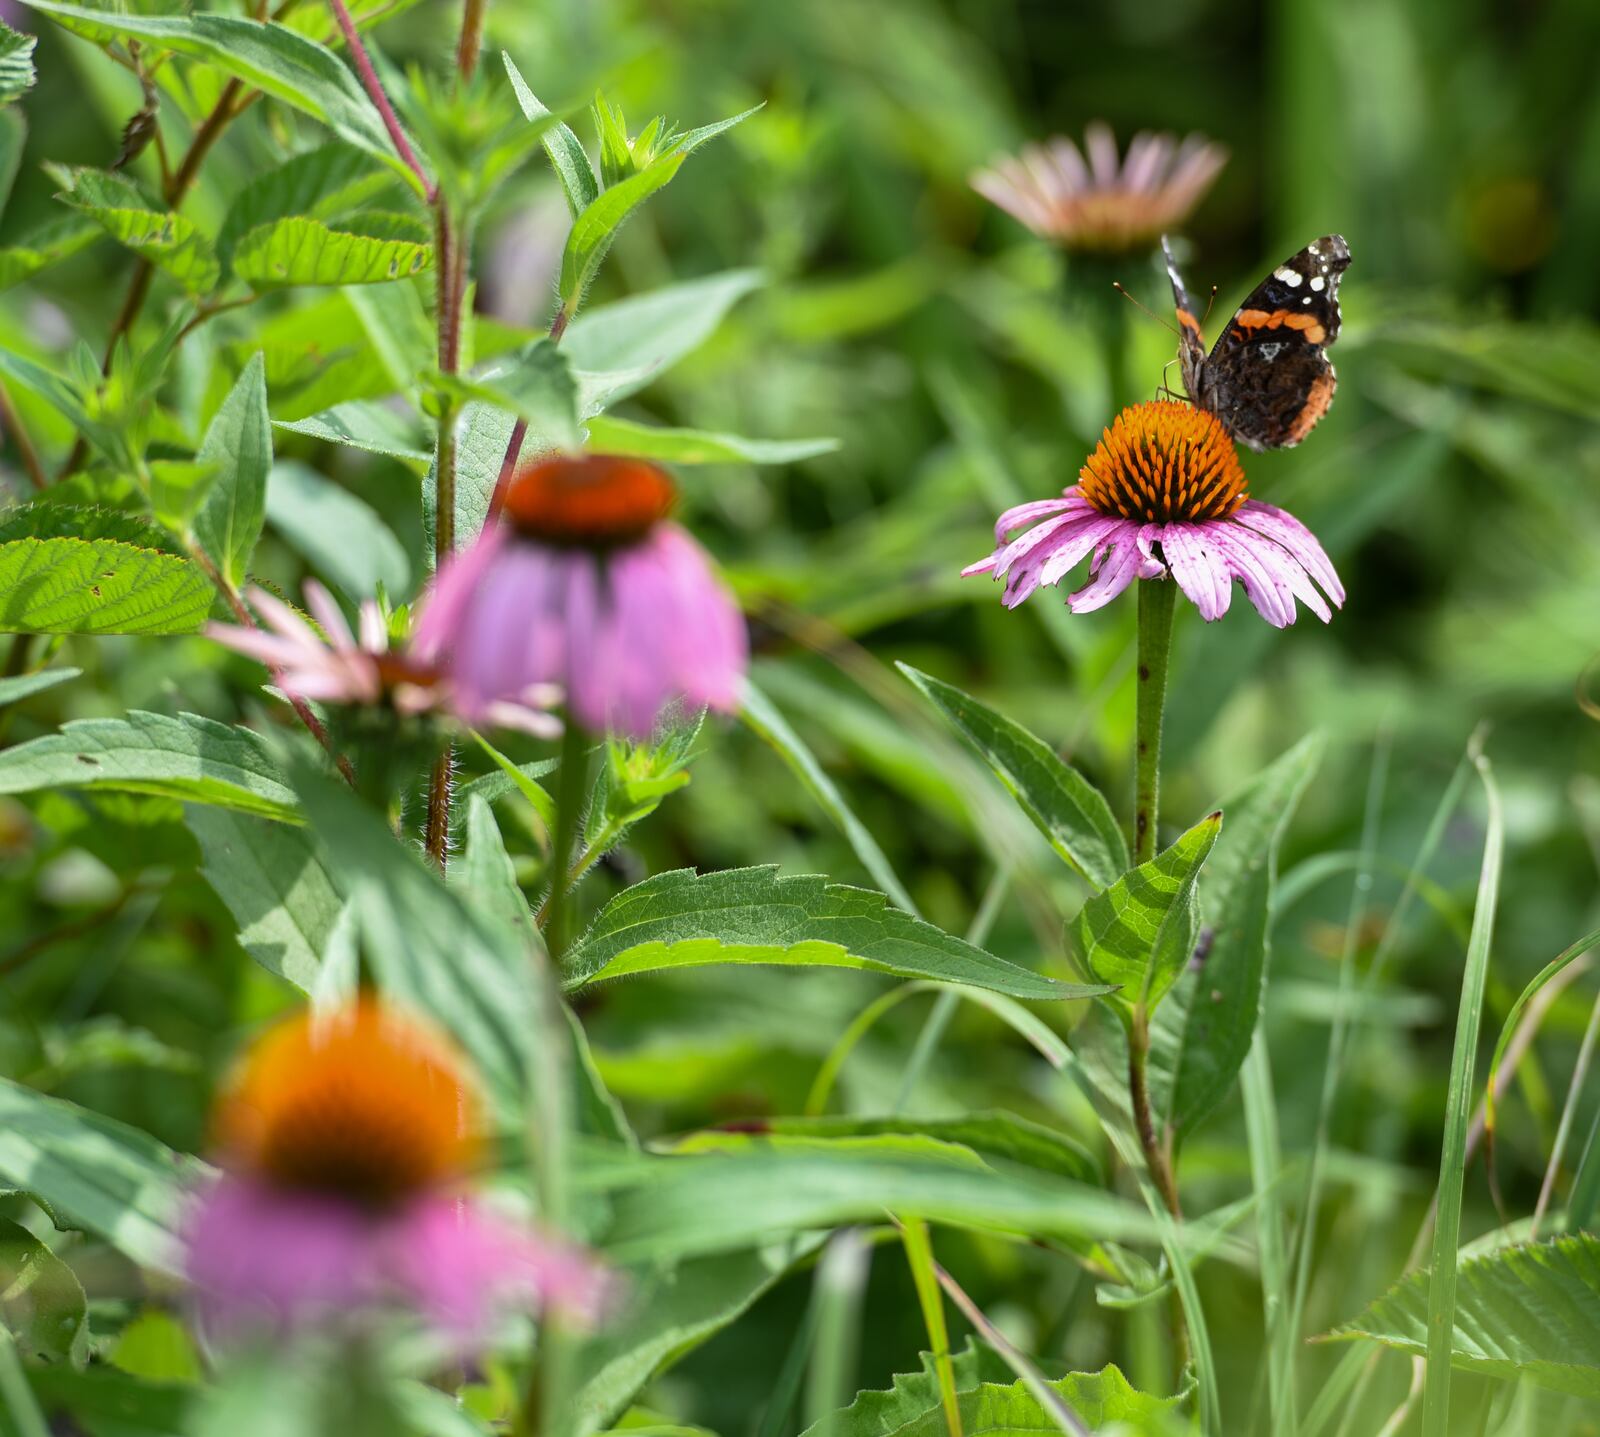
[(471, 41), (375, 91), (571, 787)]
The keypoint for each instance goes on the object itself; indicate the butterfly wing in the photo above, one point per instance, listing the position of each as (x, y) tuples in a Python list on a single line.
[(1191, 343), (1268, 377)]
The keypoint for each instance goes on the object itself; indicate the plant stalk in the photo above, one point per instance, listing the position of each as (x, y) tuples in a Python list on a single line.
[(1157, 599), (375, 91), (572, 782)]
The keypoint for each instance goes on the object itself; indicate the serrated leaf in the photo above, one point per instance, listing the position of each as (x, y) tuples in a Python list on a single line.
[(1202, 1034), (238, 444), (364, 424), (596, 227), (16, 64), (567, 156), (41, 1300), (93, 1173), (535, 384), (1529, 1311), (752, 915), (340, 535), (98, 586), (698, 446), (272, 880), (273, 58), (186, 757), (45, 519), (1136, 933), (49, 244), (14, 690), (162, 236), (1064, 806), (319, 183), (303, 250)]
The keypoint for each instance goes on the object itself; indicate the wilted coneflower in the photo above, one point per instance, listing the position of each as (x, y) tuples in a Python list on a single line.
[(342, 670), (1098, 204), (345, 1140), (589, 587), (1164, 494)]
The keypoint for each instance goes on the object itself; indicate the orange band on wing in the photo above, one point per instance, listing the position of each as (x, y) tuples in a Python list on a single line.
[(1308, 324), (1316, 405)]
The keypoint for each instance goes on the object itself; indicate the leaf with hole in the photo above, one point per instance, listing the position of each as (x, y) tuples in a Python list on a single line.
[(152, 232), (302, 250)]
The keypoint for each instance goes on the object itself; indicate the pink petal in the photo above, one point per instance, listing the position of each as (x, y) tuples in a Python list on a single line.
[(328, 614), (1202, 574), (280, 617), (1120, 569), (1264, 587), (1282, 526)]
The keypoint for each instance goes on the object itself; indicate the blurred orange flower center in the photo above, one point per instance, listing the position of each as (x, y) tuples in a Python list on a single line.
[(1163, 462), (592, 500), (360, 1104)]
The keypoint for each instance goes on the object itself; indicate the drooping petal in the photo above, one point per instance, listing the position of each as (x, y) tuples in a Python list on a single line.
[(329, 615), (1120, 568), (1202, 574), (1272, 598), (1282, 526), (1273, 557), (1020, 515)]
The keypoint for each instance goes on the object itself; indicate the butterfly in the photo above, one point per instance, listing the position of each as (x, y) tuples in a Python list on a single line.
[(1268, 378)]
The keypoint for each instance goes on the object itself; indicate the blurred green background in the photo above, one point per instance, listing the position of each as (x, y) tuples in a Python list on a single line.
[(961, 363)]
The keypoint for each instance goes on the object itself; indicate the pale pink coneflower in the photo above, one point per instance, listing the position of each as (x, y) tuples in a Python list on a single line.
[(1163, 495), (1098, 204), (587, 586), (346, 1140)]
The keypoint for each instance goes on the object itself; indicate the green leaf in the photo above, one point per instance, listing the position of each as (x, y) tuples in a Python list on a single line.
[(1529, 1311), (13, 140), (41, 1300), (567, 155), (364, 424), (14, 690), (1069, 810), (49, 244), (698, 446), (990, 1135), (1203, 1033), (673, 1207), (1136, 933), (106, 1403), (98, 586), (188, 758), (428, 948), (239, 444), (596, 227), (670, 1311), (272, 58), (319, 183), (16, 64), (303, 250), (178, 487), (649, 333), (752, 915), (341, 536), (272, 880), (535, 384), (159, 235), (93, 1173), (1104, 1401)]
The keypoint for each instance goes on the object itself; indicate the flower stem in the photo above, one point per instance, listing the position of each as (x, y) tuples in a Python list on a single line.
[(375, 91), (571, 786), (1157, 599), (471, 41)]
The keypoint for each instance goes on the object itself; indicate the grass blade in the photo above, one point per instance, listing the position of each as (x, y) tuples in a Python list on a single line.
[(925, 1274), (1447, 1234)]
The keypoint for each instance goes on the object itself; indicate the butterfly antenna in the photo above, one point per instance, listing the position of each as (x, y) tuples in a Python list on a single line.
[(1135, 303), (1209, 303)]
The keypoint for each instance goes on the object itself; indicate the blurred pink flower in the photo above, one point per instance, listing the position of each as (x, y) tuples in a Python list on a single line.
[(1099, 204), (341, 670), (1163, 495), (345, 1137), (589, 588)]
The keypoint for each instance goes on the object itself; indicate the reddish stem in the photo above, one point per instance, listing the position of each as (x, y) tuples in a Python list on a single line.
[(374, 89)]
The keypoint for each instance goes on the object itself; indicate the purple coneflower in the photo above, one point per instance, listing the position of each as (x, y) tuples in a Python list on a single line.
[(1100, 205), (588, 587), (345, 1139), (1163, 494), (342, 670)]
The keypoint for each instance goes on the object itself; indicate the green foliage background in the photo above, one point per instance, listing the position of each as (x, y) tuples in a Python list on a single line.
[(963, 364)]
